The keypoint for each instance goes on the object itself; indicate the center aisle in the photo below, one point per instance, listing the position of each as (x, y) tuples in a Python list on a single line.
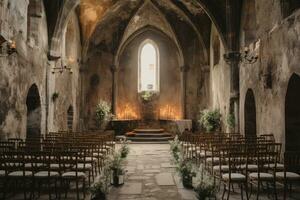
[(150, 176)]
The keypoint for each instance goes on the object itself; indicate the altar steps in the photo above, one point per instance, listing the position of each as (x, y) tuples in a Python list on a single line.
[(149, 135)]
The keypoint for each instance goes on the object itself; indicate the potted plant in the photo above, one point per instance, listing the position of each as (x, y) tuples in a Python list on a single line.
[(117, 171), (103, 114), (231, 121), (175, 149), (100, 188), (186, 171), (210, 120), (205, 187)]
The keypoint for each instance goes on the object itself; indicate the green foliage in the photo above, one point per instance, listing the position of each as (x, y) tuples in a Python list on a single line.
[(147, 95), (175, 149), (103, 112), (210, 120), (231, 121), (204, 186), (115, 163), (124, 150)]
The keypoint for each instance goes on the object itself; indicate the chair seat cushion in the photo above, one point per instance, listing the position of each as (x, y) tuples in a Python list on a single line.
[(72, 174), (30, 165), (279, 166), (42, 174), (98, 155), (213, 159), (2, 172), (20, 173), (81, 166), (262, 176), (54, 166), (251, 167), (234, 177), (289, 176), (224, 168)]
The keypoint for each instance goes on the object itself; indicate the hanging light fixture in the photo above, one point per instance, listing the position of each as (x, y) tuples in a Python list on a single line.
[(7, 47)]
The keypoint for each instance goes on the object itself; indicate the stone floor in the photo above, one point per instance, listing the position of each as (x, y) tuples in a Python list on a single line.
[(151, 176)]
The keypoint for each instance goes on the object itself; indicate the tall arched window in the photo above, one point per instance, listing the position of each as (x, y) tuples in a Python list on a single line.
[(148, 67)]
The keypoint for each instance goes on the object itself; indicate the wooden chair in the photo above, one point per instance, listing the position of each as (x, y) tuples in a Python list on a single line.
[(291, 172)]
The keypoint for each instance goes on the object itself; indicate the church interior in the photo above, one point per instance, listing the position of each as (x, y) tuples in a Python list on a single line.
[(149, 99)]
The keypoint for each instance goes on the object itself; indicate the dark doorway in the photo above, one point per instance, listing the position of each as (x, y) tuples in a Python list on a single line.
[(292, 114), (250, 115), (33, 104), (70, 118)]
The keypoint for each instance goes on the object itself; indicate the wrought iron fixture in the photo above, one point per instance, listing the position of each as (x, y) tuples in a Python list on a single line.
[(7, 47), (64, 67), (246, 57)]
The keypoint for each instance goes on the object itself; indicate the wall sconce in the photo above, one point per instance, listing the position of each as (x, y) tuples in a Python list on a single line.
[(247, 56), (7, 48)]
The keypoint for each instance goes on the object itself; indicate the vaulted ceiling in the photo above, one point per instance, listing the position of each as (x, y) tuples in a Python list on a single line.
[(103, 22)]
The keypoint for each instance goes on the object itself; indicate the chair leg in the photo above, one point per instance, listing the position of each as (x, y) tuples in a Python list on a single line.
[(224, 190), (258, 190), (228, 194), (275, 189), (246, 190)]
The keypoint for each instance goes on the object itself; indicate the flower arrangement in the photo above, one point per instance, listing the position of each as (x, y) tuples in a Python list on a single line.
[(124, 150), (210, 120), (186, 169), (175, 149), (205, 185), (147, 95), (100, 188), (103, 112)]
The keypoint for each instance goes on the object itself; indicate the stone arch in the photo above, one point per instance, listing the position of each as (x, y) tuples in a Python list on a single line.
[(250, 114), (249, 23), (33, 104), (292, 114), (63, 19), (34, 12), (216, 48), (288, 7), (70, 118), (141, 31)]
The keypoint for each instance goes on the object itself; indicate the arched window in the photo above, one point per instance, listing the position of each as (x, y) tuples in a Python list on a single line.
[(148, 72)]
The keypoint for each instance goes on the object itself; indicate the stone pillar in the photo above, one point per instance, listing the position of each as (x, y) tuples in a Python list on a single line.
[(114, 72), (183, 73)]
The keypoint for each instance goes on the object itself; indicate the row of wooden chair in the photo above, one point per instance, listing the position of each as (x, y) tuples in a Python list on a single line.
[(232, 158), (55, 160)]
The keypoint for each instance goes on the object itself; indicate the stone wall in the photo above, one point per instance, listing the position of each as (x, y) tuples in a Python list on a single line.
[(278, 59), (30, 65)]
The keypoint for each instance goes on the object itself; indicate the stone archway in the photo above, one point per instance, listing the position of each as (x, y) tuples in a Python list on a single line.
[(292, 114), (250, 114), (33, 104)]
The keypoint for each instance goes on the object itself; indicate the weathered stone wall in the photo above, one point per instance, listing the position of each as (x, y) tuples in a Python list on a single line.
[(30, 65), (278, 60), (219, 78)]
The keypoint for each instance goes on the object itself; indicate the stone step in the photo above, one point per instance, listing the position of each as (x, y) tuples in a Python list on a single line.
[(153, 134), (140, 130), (149, 139)]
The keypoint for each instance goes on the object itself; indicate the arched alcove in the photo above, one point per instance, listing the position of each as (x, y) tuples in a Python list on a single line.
[(33, 104), (249, 22), (70, 117), (292, 114), (250, 114)]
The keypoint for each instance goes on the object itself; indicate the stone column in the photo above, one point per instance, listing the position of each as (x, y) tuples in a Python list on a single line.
[(114, 72), (183, 73)]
